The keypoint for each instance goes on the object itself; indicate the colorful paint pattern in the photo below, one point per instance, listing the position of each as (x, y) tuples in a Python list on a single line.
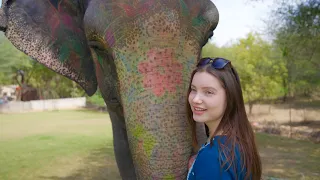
[(161, 71)]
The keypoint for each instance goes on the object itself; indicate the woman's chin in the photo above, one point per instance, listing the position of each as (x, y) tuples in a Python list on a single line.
[(198, 118)]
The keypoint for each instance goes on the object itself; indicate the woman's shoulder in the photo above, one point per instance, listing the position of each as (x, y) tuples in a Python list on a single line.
[(219, 148), (207, 164), (213, 146), (213, 156), (208, 154)]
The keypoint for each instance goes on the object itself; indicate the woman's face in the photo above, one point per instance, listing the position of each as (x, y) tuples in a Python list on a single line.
[(207, 98)]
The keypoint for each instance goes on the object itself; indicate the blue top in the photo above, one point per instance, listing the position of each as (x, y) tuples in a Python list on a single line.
[(207, 164)]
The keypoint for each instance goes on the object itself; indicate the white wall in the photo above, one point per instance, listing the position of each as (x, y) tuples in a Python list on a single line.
[(43, 105)]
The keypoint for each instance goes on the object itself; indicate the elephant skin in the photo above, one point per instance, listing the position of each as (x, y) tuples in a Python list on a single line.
[(139, 53)]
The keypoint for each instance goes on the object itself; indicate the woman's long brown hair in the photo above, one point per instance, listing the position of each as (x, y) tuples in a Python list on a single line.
[(234, 124)]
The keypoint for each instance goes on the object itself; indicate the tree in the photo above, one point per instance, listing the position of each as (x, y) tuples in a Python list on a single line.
[(296, 28), (211, 50), (9, 58), (259, 71)]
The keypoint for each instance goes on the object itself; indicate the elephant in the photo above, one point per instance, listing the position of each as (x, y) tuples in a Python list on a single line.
[(139, 53)]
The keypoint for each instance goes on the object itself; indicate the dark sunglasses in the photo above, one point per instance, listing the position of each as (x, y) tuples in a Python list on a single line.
[(216, 63)]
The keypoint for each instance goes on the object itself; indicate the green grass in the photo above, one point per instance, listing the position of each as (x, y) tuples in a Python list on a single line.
[(285, 158), (72, 145), (96, 99), (56, 145)]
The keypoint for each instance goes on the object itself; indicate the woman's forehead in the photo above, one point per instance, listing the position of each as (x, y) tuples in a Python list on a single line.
[(205, 80)]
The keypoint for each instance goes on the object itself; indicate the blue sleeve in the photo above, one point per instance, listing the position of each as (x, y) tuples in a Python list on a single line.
[(208, 167)]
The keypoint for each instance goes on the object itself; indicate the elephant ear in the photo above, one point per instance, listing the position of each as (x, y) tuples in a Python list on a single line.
[(52, 32)]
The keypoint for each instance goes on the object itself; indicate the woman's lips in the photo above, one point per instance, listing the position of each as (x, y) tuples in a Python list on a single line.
[(198, 111)]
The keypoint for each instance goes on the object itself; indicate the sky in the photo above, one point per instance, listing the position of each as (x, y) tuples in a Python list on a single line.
[(237, 18)]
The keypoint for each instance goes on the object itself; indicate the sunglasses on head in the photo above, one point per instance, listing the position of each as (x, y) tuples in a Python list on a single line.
[(216, 63)]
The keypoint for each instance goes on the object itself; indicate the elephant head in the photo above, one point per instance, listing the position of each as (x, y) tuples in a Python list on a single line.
[(139, 53)]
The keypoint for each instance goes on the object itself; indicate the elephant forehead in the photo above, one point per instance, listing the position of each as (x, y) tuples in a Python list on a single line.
[(117, 23)]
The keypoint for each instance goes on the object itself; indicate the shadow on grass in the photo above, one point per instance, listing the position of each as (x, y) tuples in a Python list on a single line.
[(284, 158), (310, 124), (299, 104), (97, 166)]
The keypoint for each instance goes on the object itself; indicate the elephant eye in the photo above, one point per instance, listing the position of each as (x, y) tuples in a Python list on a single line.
[(96, 45)]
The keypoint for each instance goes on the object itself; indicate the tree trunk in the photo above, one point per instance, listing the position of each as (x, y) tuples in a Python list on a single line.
[(285, 86), (269, 109), (250, 107), (290, 122)]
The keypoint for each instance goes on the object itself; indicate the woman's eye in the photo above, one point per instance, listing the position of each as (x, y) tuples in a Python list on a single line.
[(209, 92)]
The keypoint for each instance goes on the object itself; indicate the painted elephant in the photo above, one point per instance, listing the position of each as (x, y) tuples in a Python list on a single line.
[(139, 53)]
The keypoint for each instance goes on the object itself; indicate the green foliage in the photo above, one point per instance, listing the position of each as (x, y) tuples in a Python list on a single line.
[(259, 73), (9, 55), (289, 65), (51, 84), (9, 58), (96, 99), (211, 50), (297, 32), (257, 63)]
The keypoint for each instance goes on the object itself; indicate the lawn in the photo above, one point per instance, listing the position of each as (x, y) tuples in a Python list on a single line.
[(284, 158), (72, 145), (65, 145)]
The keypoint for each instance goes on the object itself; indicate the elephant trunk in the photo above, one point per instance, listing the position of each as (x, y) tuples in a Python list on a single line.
[(159, 137), (153, 93)]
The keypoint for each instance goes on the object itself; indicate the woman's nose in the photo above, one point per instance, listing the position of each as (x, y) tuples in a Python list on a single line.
[(197, 99)]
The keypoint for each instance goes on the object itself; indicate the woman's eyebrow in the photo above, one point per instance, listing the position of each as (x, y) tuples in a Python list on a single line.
[(205, 87), (209, 87)]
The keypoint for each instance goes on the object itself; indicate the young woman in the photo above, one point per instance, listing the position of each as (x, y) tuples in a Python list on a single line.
[(215, 99)]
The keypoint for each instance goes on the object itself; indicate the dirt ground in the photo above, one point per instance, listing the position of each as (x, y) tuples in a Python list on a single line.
[(275, 119), (280, 114)]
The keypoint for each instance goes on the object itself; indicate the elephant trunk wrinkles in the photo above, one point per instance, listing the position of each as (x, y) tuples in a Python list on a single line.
[(159, 137), (153, 94), (153, 86)]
